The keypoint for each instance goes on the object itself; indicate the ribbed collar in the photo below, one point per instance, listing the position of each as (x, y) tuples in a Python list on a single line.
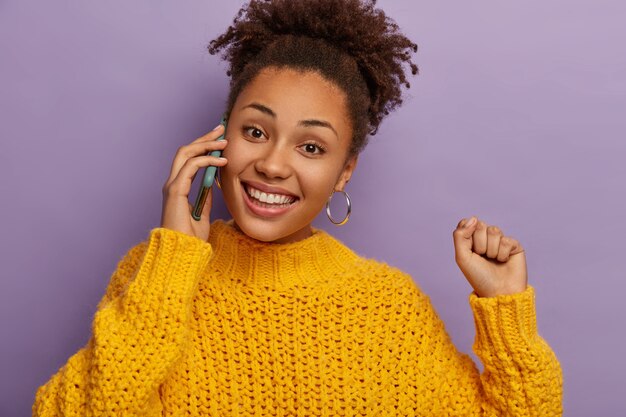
[(317, 260)]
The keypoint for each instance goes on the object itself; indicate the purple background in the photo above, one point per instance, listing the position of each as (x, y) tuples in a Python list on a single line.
[(517, 116)]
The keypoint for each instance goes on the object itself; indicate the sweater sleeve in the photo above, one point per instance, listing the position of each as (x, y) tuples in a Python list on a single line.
[(521, 376), (138, 333)]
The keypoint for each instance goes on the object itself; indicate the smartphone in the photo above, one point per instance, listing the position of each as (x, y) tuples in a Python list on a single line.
[(207, 179)]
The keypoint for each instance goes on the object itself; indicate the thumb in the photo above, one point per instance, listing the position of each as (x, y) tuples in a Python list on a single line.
[(462, 237)]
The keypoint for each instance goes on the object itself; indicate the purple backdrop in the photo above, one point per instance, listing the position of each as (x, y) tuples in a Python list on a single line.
[(517, 116)]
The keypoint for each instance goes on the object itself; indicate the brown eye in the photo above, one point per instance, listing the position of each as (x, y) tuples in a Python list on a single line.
[(254, 132), (312, 149)]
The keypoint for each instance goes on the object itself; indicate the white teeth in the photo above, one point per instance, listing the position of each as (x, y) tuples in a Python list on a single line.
[(268, 198)]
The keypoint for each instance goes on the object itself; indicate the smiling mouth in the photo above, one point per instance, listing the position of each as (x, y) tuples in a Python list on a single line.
[(268, 200)]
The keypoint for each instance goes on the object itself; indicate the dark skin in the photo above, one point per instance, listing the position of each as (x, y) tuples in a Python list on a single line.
[(289, 134)]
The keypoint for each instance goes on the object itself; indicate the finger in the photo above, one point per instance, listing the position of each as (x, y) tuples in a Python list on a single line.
[(212, 135), (494, 234), (207, 148), (504, 251), (182, 183), (508, 248), (462, 237), (467, 221), (480, 238), (186, 152), (183, 153), (517, 248)]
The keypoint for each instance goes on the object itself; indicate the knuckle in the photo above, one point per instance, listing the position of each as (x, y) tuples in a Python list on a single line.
[(181, 151), (173, 188), (479, 247), (189, 162), (494, 230)]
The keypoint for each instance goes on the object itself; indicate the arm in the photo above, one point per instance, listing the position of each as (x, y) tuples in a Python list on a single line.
[(521, 377), (139, 332), (521, 373)]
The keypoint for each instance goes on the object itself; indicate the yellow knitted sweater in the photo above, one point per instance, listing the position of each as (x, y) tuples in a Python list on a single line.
[(234, 326)]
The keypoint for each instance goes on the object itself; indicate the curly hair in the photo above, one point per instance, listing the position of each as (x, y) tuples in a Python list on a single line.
[(349, 42)]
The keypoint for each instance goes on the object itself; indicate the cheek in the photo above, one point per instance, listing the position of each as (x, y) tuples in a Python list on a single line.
[(318, 180), (238, 157)]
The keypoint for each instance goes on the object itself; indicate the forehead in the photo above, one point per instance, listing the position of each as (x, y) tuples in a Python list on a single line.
[(294, 94), (287, 78)]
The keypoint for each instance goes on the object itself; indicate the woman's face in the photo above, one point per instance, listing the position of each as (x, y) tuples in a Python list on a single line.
[(288, 138)]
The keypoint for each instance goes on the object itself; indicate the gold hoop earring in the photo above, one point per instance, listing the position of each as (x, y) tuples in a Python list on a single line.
[(330, 216)]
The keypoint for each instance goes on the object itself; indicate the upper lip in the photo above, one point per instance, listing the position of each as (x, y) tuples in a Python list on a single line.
[(269, 188)]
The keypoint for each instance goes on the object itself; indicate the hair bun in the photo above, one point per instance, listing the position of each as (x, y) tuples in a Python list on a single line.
[(354, 27)]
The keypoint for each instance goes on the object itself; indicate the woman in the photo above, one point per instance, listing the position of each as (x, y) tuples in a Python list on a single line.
[(264, 314)]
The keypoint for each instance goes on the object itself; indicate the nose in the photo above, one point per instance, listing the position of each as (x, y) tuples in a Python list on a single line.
[(274, 163)]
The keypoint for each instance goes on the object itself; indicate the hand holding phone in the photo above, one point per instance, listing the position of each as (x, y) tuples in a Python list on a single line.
[(207, 180), (204, 152)]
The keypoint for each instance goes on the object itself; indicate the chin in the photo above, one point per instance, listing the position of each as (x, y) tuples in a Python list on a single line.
[(270, 231)]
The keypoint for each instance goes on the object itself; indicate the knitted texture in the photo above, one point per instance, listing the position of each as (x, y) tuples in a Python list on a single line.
[(234, 326)]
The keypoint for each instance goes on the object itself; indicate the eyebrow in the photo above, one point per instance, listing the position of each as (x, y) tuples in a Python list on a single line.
[(305, 123)]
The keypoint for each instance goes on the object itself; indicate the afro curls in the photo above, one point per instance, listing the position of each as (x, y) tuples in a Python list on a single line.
[(350, 42)]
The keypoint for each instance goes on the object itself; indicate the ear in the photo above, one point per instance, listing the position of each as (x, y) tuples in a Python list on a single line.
[(346, 174)]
